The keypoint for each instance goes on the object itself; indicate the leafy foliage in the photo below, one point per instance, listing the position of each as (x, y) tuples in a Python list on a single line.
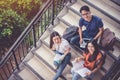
[(14, 18), (10, 23), (27, 8)]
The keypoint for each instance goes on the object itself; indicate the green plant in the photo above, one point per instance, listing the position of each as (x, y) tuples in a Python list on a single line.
[(11, 23)]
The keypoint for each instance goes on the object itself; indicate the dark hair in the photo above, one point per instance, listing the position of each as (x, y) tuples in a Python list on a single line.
[(94, 56), (86, 8), (53, 34)]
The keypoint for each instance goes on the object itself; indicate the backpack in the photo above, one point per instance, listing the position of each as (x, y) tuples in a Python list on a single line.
[(107, 39), (70, 32)]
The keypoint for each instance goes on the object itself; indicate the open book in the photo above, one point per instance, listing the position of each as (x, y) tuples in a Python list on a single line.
[(79, 68)]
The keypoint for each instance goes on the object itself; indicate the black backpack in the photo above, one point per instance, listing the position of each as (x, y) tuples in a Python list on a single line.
[(70, 32)]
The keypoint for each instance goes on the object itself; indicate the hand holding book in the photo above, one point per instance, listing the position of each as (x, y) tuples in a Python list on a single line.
[(79, 68)]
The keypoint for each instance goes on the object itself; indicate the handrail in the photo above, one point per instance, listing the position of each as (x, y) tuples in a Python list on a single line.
[(17, 42), (28, 38)]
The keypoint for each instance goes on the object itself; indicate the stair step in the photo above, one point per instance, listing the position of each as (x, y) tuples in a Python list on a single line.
[(42, 69), (26, 74), (71, 18), (47, 54), (45, 34), (116, 2), (105, 8), (60, 28), (116, 51), (112, 4), (108, 62)]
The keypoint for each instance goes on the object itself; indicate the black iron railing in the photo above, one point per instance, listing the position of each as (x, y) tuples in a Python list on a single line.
[(27, 40)]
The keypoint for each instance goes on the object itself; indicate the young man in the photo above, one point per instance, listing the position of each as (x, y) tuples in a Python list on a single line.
[(93, 24)]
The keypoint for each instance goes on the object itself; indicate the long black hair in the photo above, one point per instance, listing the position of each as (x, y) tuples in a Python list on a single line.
[(53, 34), (96, 52)]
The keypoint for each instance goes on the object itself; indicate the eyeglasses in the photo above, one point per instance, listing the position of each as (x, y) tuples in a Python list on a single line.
[(90, 46), (86, 14)]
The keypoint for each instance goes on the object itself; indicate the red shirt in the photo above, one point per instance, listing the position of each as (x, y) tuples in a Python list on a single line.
[(88, 64)]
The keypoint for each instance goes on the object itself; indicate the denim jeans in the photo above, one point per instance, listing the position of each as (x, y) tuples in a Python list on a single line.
[(75, 40), (61, 67), (76, 76)]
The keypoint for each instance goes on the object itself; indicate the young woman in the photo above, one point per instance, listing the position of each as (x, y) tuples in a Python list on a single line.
[(62, 50), (91, 56)]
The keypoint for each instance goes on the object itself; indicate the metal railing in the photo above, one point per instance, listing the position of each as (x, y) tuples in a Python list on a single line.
[(27, 40)]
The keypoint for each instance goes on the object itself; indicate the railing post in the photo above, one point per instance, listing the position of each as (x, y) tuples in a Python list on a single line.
[(53, 5), (34, 36), (112, 73), (17, 65)]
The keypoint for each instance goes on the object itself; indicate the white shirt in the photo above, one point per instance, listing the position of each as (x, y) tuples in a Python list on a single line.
[(63, 46)]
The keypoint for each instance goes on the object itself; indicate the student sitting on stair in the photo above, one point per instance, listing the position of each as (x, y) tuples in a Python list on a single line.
[(93, 25), (87, 65), (62, 50)]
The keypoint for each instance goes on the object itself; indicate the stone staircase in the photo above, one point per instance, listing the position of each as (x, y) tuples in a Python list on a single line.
[(38, 65)]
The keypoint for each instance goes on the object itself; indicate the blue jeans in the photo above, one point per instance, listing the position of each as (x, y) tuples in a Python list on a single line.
[(76, 76), (64, 63), (75, 40)]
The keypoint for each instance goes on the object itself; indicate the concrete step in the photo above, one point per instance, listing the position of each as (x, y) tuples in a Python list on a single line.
[(105, 8), (27, 74), (117, 2), (60, 28), (116, 49), (40, 68), (45, 53), (112, 4), (71, 18)]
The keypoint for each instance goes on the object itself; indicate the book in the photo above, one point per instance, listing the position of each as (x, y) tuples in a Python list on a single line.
[(82, 72), (79, 68), (77, 65)]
